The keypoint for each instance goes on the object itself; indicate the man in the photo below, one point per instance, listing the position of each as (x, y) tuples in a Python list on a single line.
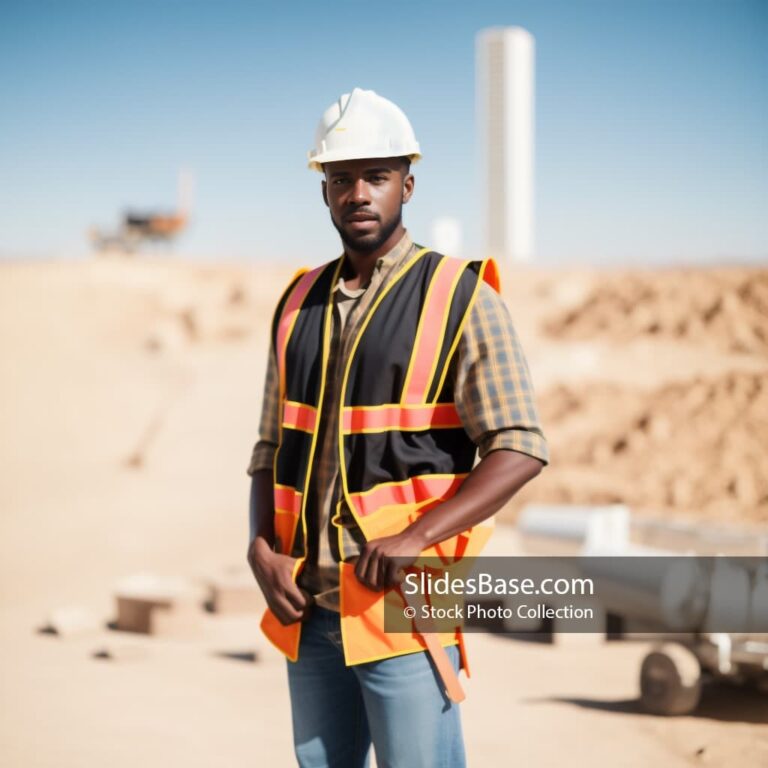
[(389, 368)]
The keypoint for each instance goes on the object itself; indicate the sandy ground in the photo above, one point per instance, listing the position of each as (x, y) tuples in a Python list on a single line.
[(129, 404)]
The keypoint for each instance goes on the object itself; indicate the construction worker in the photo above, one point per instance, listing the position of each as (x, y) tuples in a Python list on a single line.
[(389, 368)]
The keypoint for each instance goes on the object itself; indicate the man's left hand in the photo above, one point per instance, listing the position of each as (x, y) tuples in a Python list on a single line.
[(382, 560)]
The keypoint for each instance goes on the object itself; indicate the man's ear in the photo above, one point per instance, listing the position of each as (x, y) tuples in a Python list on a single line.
[(408, 184), (325, 192)]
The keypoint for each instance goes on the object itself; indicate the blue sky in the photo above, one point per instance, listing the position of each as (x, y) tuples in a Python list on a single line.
[(652, 121)]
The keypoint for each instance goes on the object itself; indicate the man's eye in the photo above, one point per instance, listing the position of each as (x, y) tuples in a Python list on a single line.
[(378, 179), (337, 182)]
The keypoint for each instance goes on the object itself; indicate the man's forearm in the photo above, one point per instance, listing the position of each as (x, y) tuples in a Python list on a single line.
[(261, 509), (495, 480)]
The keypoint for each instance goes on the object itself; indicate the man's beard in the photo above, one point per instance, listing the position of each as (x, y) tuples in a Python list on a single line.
[(365, 245)]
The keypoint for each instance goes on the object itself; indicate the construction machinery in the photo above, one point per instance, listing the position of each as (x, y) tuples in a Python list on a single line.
[(141, 227)]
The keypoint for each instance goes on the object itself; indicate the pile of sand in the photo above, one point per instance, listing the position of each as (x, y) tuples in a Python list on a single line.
[(697, 447), (725, 308), (652, 387), (667, 412)]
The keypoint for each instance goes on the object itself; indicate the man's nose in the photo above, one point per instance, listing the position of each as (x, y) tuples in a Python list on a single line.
[(360, 192)]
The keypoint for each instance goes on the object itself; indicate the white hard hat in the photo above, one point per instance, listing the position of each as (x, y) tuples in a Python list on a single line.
[(362, 124)]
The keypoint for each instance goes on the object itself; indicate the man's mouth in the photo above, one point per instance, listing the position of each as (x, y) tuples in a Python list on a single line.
[(358, 216)]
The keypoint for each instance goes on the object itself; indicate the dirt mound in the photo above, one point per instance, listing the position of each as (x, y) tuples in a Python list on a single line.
[(699, 447), (727, 308)]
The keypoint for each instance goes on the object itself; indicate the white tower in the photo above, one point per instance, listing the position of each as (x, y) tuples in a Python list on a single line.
[(505, 71)]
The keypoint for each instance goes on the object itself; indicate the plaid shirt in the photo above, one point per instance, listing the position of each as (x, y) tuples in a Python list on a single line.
[(492, 393)]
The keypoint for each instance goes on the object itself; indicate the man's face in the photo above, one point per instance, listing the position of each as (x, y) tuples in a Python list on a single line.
[(365, 198)]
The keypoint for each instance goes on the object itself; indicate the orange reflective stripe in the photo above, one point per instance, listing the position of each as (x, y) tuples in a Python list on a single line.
[(414, 490), (287, 499), (432, 324), (287, 502), (381, 418), (299, 416), (288, 319)]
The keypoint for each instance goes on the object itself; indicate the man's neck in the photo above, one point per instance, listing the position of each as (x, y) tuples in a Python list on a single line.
[(359, 265)]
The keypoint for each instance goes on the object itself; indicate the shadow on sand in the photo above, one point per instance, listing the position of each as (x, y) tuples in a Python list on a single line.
[(719, 701)]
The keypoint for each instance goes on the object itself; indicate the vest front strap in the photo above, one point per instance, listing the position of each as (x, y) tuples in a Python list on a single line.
[(289, 315), (396, 416), (431, 330)]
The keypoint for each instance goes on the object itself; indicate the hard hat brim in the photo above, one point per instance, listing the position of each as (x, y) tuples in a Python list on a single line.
[(316, 160)]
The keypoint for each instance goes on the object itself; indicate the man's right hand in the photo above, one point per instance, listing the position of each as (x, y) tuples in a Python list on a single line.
[(273, 573)]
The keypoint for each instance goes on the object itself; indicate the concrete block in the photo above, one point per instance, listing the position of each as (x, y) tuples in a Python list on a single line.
[(154, 605)]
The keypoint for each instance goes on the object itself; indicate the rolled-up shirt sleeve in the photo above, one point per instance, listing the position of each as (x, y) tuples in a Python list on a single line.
[(493, 391), (263, 453)]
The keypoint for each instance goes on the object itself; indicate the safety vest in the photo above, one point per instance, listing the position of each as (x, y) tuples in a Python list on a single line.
[(402, 447)]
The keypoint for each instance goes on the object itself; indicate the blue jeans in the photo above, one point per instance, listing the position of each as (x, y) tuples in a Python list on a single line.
[(397, 704)]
